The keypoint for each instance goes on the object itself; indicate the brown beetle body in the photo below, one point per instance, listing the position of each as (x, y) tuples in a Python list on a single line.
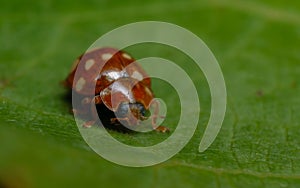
[(112, 78)]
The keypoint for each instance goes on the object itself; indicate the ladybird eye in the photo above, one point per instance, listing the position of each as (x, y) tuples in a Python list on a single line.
[(142, 110), (122, 110)]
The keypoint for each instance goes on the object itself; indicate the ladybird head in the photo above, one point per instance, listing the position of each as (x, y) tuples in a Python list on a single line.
[(131, 113)]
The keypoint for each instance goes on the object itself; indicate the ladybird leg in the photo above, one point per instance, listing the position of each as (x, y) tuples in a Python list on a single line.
[(114, 120), (162, 129), (154, 117), (96, 100), (156, 112), (88, 124)]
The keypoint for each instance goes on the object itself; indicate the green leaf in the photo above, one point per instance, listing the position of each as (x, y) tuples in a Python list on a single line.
[(257, 44)]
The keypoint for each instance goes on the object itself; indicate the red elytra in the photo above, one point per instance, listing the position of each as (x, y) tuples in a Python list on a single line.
[(112, 77)]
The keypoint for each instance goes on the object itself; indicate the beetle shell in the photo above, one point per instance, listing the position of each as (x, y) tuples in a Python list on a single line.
[(112, 74)]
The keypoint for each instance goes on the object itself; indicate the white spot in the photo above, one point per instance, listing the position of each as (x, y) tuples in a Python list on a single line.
[(126, 56), (106, 56), (89, 63), (137, 75), (80, 83)]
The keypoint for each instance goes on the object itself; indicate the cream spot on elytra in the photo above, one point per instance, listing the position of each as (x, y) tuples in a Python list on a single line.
[(106, 56), (148, 91), (126, 56), (80, 83), (89, 63), (137, 75)]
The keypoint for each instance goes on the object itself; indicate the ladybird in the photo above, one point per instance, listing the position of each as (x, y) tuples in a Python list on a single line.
[(107, 73)]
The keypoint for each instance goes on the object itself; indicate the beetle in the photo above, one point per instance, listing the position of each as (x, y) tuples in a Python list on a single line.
[(113, 81)]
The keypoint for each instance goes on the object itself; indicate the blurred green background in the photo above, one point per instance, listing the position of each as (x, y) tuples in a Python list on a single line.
[(257, 44)]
